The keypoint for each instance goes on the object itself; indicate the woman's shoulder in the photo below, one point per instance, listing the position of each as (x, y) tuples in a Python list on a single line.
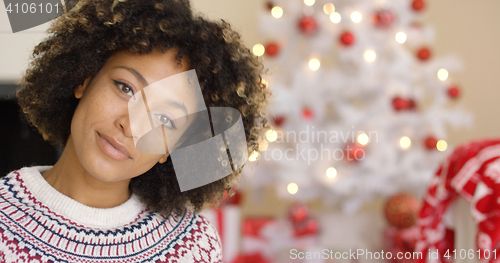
[(200, 222)]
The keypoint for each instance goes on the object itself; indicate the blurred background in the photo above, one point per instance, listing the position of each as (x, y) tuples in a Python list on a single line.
[(333, 66)]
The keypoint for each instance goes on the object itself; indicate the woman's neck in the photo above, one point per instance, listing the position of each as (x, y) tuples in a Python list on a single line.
[(70, 178)]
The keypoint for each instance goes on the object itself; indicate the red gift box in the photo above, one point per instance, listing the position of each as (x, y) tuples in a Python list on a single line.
[(402, 241), (227, 220), (251, 258), (256, 241)]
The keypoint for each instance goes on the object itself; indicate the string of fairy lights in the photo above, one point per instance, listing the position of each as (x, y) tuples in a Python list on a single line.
[(314, 64)]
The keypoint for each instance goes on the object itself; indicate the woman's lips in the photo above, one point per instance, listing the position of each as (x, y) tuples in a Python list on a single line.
[(113, 148)]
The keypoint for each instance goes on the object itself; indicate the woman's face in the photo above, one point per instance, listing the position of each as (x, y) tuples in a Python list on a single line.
[(100, 128)]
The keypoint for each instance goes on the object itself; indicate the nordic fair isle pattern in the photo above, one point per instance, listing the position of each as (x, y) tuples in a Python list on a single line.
[(473, 172), (32, 232)]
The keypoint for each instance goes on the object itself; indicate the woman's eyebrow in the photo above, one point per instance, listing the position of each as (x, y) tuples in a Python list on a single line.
[(179, 105), (172, 103), (136, 74)]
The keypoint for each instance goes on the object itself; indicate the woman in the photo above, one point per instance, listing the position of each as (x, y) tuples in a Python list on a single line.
[(105, 201)]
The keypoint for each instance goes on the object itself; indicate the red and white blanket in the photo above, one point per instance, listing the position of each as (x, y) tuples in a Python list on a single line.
[(473, 172)]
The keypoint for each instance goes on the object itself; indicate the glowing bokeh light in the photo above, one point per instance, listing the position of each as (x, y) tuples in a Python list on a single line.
[(441, 145), (363, 139), (258, 50), (331, 172), (329, 8), (442, 74), (263, 145), (309, 2), (335, 18), (405, 142), (254, 156), (356, 17), (292, 188), (401, 37), (277, 12), (271, 135), (370, 55), (314, 64)]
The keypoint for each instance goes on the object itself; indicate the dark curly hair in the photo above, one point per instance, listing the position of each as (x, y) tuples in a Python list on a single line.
[(81, 41)]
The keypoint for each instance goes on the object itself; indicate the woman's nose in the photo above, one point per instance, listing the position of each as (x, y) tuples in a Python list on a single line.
[(123, 124)]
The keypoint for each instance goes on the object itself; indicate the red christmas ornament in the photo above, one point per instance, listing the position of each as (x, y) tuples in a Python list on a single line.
[(298, 213), (347, 38), (279, 120), (354, 153), (307, 114), (424, 54), (453, 92), (401, 210), (430, 143), (383, 18), (418, 5), (269, 5), (272, 49), (400, 104), (308, 227), (308, 25), (412, 105)]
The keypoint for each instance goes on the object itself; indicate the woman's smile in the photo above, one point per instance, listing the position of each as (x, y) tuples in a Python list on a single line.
[(113, 148)]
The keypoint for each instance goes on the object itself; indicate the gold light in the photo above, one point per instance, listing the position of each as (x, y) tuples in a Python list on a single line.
[(292, 188), (356, 17), (331, 172), (370, 55), (263, 145), (443, 74), (258, 50), (335, 18), (363, 139), (314, 64), (441, 145), (277, 12), (329, 8), (401, 37), (271, 135), (254, 156), (309, 2), (405, 142)]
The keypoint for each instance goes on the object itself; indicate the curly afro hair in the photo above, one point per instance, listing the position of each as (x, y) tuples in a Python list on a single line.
[(81, 41)]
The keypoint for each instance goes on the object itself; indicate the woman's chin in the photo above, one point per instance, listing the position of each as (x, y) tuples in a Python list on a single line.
[(107, 173)]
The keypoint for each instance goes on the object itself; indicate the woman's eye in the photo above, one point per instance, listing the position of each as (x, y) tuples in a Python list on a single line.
[(125, 89), (166, 121)]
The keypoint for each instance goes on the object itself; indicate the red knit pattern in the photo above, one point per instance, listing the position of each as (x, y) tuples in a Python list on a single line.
[(31, 232), (473, 172)]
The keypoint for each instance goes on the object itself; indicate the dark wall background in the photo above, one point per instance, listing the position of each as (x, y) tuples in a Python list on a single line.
[(20, 144)]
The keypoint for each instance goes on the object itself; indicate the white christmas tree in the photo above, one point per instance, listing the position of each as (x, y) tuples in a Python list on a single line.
[(360, 107)]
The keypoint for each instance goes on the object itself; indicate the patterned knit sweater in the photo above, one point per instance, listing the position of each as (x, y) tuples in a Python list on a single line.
[(39, 224)]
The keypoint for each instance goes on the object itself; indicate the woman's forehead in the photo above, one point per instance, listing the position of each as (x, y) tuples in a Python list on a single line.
[(154, 64)]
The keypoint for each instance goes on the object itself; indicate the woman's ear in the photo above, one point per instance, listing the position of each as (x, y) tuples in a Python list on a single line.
[(80, 89), (163, 159)]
